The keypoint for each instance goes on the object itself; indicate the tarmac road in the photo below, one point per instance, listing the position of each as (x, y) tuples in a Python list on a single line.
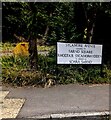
[(63, 99)]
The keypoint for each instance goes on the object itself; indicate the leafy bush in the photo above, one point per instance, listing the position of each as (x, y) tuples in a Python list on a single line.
[(52, 52), (44, 48), (6, 47), (82, 74), (15, 62), (16, 71), (9, 47), (21, 77)]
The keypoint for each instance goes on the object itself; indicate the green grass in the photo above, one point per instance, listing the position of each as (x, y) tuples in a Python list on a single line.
[(16, 71), (44, 48), (8, 47)]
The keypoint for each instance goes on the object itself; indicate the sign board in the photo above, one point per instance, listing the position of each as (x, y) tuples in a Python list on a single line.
[(75, 53)]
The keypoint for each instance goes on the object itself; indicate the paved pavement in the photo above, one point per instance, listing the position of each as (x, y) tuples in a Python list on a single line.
[(9, 108), (62, 101)]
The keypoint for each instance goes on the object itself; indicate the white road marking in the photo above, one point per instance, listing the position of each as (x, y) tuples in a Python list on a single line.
[(71, 115), (85, 114)]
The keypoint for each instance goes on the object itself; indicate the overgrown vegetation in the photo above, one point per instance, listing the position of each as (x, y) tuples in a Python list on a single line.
[(6, 47), (51, 22), (9, 47), (16, 71), (76, 22)]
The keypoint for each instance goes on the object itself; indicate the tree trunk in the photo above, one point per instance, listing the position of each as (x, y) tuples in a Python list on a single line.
[(46, 31), (33, 55), (80, 20), (90, 28)]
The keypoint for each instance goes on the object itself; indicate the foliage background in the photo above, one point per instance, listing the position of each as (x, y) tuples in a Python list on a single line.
[(49, 23), (60, 21)]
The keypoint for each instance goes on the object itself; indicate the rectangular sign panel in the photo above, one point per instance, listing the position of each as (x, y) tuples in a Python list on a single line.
[(75, 53)]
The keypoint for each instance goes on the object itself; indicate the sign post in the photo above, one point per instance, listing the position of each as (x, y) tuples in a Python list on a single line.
[(75, 53)]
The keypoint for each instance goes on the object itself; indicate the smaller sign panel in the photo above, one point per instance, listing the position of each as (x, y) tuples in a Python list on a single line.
[(74, 53)]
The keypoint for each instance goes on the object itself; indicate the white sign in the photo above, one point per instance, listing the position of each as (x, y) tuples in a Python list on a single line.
[(74, 53)]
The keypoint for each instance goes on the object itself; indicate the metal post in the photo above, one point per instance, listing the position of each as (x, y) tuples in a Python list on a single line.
[(101, 69)]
